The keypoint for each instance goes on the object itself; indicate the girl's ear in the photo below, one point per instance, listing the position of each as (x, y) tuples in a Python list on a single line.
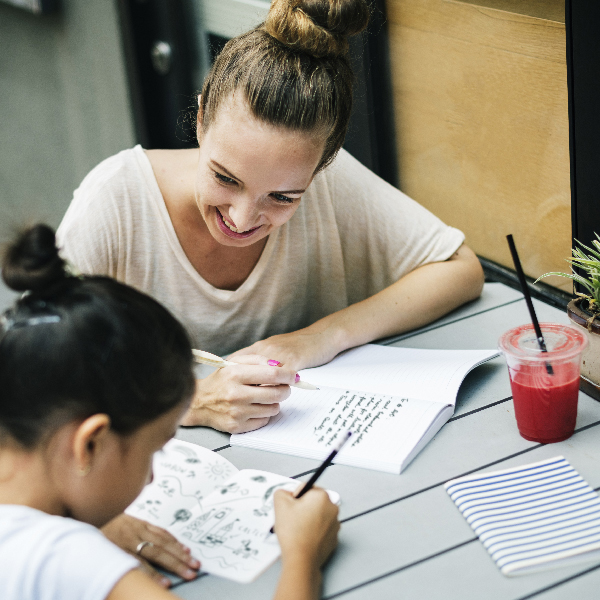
[(88, 441)]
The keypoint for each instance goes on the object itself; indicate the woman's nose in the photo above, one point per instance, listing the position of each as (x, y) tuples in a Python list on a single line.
[(245, 213)]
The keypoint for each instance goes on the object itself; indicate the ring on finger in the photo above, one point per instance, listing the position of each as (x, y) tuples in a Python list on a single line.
[(141, 546)]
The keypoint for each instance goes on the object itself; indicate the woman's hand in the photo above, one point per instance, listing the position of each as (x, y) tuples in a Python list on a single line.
[(241, 397), (164, 550), (308, 347)]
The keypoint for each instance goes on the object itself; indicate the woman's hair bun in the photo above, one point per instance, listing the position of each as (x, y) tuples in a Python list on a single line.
[(317, 27), (32, 262)]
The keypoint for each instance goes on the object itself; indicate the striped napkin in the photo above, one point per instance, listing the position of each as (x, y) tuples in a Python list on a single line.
[(532, 517)]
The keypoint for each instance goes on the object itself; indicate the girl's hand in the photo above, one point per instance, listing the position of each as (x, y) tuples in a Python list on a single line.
[(307, 527), (296, 350), (166, 552), (241, 397)]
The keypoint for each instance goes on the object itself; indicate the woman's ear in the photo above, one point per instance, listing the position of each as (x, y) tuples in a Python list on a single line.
[(199, 116), (88, 441)]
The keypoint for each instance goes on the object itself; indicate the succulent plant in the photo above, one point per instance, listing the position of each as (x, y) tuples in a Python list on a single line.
[(589, 264)]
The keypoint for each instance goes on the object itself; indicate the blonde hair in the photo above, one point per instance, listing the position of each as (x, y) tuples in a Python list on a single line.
[(293, 69)]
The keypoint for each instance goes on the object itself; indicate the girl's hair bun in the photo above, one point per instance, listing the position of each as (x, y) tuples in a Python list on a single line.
[(32, 262), (317, 27)]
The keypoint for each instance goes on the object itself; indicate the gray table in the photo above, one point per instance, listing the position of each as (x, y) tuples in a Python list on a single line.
[(402, 537)]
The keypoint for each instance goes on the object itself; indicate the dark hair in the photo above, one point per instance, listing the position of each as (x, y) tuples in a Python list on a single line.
[(73, 346), (293, 69)]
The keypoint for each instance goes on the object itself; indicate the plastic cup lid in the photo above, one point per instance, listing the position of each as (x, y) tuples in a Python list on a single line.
[(562, 342)]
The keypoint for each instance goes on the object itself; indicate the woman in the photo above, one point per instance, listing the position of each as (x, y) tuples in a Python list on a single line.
[(295, 252)]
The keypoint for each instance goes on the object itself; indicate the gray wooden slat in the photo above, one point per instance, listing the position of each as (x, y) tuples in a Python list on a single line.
[(203, 436), (580, 585), (430, 512), (493, 296), (374, 538), (460, 447), (474, 574), (483, 330)]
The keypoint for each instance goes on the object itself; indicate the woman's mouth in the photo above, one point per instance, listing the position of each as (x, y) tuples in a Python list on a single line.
[(231, 230)]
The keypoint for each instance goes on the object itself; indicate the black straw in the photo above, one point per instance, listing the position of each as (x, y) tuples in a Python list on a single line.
[(525, 290)]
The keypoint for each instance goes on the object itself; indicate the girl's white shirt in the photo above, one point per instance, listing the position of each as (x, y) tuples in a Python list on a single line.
[(352, 236), (45, 557)]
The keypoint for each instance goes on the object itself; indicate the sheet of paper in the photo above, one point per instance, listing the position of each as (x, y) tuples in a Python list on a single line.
[(184, 474), (385, 428), (230, 535), (433, 375)]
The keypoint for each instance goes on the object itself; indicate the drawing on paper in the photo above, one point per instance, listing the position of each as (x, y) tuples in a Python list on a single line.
[(183, 515), (266, 507)]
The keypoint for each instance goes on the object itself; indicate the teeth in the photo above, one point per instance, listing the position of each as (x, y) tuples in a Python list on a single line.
[(229, 226)]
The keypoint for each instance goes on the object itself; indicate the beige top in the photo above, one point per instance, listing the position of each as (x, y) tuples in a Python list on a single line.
[(352, 235)]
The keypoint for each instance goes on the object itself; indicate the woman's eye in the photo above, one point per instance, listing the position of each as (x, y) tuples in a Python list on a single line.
[(282, 198), (224, 178)]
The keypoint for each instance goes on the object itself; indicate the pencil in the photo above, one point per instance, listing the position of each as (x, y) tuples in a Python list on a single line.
[(324, 465), (207, 358), (311, 482)]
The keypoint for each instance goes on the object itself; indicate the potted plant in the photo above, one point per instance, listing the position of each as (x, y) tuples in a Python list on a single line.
[(584, 310)]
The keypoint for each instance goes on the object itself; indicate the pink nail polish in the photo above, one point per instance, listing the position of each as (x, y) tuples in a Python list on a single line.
[(273, 363), (297, 378)]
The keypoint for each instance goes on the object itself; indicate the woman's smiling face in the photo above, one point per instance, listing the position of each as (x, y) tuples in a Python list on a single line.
[(251, 175)]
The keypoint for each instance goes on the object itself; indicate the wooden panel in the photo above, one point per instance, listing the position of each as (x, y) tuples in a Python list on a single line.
[(480, 100), (552, 10)]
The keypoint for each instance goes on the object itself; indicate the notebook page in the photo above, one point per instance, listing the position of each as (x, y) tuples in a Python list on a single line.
[(230, 534), (385, 428), (184, 475), (433, 375)]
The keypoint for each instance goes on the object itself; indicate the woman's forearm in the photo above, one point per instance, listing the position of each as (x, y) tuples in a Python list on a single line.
[(420, 297)]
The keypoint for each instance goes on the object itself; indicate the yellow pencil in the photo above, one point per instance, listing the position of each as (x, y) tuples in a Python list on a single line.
[(206, 358)]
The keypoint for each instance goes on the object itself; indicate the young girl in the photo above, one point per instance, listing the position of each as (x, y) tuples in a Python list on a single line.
[(260, 240), (94, 378)]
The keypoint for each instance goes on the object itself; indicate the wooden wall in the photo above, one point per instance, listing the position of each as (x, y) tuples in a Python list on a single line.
[(480, 100)]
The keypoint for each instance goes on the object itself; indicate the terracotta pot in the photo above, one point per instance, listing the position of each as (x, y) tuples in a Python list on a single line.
[(590, 365)]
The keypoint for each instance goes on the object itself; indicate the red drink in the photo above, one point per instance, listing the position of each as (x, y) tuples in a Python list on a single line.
[(545, 385), (546, 405)]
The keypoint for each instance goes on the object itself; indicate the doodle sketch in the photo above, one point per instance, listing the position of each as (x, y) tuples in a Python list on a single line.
[(231, 534), (222, 514), (184, 474)]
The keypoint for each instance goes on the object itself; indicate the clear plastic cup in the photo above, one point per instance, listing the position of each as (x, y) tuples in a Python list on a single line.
[(545, 385)]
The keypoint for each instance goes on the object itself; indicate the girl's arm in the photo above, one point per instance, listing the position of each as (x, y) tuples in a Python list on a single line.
[(418, 298), (307, 531)]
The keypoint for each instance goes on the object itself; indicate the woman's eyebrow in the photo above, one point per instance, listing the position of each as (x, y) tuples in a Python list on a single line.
[(216, 164)]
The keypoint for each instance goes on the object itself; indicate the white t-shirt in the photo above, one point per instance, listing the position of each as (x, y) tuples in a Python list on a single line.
[(45, 557), (352, 236)]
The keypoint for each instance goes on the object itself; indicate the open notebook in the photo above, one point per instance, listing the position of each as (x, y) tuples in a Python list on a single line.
[(532, 517), (223, 515), (394, 400)]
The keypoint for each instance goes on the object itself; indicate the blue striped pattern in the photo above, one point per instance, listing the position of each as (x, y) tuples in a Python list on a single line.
[(531, 516)]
